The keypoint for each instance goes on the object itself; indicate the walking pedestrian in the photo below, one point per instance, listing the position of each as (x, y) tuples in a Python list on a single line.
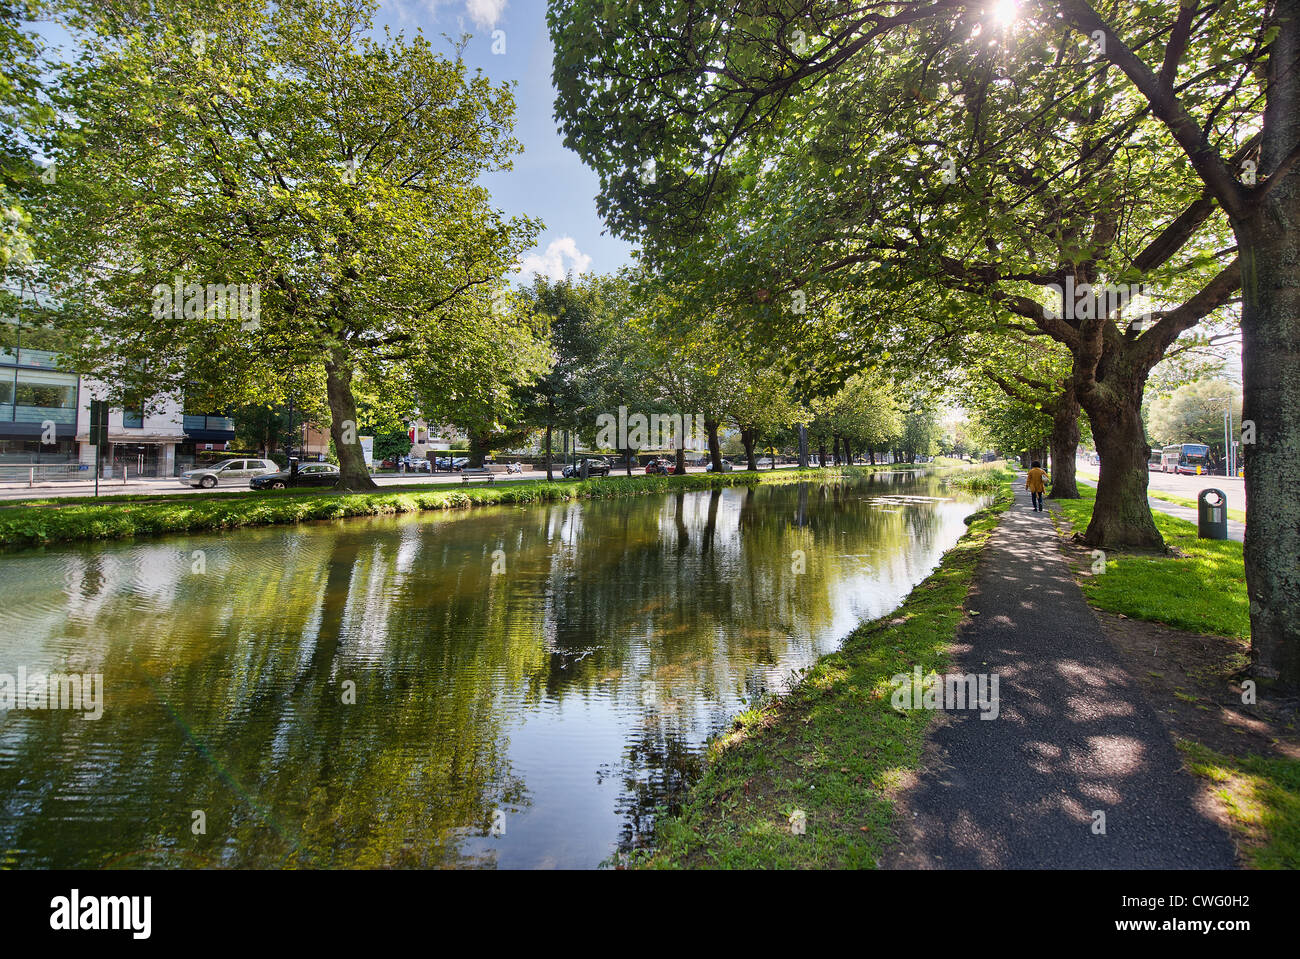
[(1034, 483)]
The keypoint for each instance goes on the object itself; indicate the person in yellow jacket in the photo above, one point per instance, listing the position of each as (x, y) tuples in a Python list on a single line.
[(1034, 483)]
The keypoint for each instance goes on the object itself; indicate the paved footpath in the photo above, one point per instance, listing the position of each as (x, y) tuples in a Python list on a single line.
[(1075, 736)]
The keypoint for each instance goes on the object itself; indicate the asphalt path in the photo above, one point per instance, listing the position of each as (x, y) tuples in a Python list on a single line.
[(1074, 738)]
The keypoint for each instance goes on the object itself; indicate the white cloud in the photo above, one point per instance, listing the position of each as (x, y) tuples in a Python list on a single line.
[(485, 13), (552, 263)]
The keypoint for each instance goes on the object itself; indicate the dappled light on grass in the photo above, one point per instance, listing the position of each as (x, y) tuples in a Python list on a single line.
[(1262, 795)]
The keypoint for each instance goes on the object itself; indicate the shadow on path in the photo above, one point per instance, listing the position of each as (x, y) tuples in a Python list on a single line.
[(1074, 737)]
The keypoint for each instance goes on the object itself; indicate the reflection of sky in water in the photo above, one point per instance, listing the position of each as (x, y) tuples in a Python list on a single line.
[(573, 691)]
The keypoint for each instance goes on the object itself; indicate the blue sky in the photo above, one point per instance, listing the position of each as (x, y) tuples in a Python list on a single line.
[(548, 181)]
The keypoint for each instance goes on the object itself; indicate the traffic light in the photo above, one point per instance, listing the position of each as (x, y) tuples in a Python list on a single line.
[(99, 423)]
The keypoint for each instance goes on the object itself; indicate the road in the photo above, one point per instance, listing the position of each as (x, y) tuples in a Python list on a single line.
[(171, 485), (1187, 486)]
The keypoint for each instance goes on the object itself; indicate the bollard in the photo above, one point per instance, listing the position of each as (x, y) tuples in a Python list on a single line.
[(1212, 518)]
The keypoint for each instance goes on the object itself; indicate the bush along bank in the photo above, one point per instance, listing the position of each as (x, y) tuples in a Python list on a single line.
[(23, 526), (803, 782)]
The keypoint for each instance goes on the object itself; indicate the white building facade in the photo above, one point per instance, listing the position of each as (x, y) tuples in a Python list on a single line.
[(139, 443)]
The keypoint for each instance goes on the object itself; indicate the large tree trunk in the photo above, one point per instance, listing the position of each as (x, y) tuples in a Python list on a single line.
[(803, 447), (1270, 325), (821, 451), (354, 474), (1065, 446), (715, 448), (550, 477), (1121, 516), (680, 460), (480, 445), (747, 438)]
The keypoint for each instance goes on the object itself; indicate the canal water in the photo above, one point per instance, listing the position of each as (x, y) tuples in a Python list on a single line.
[(504, 687)]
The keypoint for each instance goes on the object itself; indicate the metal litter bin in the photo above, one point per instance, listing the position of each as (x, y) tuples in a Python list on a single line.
[(1212, 514)]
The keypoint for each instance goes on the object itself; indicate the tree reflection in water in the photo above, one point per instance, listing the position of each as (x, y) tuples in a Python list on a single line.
[(370, 693)]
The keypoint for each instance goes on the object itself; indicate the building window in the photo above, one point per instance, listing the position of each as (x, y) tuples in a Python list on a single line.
[(132, 419), (23, 452), (39, 395)]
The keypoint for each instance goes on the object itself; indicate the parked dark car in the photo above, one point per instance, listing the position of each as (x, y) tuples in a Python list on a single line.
[(596, 466), (309, 474), (452, 463)]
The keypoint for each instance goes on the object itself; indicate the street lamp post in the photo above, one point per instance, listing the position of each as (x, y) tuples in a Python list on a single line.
[(291, 436), (1229, 453), (1227, 440)]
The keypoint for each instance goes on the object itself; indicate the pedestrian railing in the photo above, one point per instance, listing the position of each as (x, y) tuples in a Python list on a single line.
[(33, 473)]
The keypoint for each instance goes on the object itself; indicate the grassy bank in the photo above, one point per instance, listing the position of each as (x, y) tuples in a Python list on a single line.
[(987, 478), (66, 520), (832, 747), (1203, 590)]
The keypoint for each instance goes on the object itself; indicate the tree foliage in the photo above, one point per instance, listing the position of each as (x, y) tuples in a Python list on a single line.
[(284, 147)]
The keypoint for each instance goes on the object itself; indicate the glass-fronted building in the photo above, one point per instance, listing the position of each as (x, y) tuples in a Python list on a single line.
[(35, 393), (40, 402)]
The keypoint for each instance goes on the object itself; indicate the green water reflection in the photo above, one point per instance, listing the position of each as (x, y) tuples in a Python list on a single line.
[(515, 687)]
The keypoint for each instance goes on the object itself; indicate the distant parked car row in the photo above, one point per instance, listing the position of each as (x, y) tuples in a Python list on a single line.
[(596, 466)]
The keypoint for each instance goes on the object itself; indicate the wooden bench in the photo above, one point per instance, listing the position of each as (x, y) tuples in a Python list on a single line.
[(489, 472)]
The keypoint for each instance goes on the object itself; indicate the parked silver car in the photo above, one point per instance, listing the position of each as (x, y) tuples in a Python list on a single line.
[(229, 473)]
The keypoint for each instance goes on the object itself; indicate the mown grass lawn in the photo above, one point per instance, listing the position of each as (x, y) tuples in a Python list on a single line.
[(1203, 590)]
